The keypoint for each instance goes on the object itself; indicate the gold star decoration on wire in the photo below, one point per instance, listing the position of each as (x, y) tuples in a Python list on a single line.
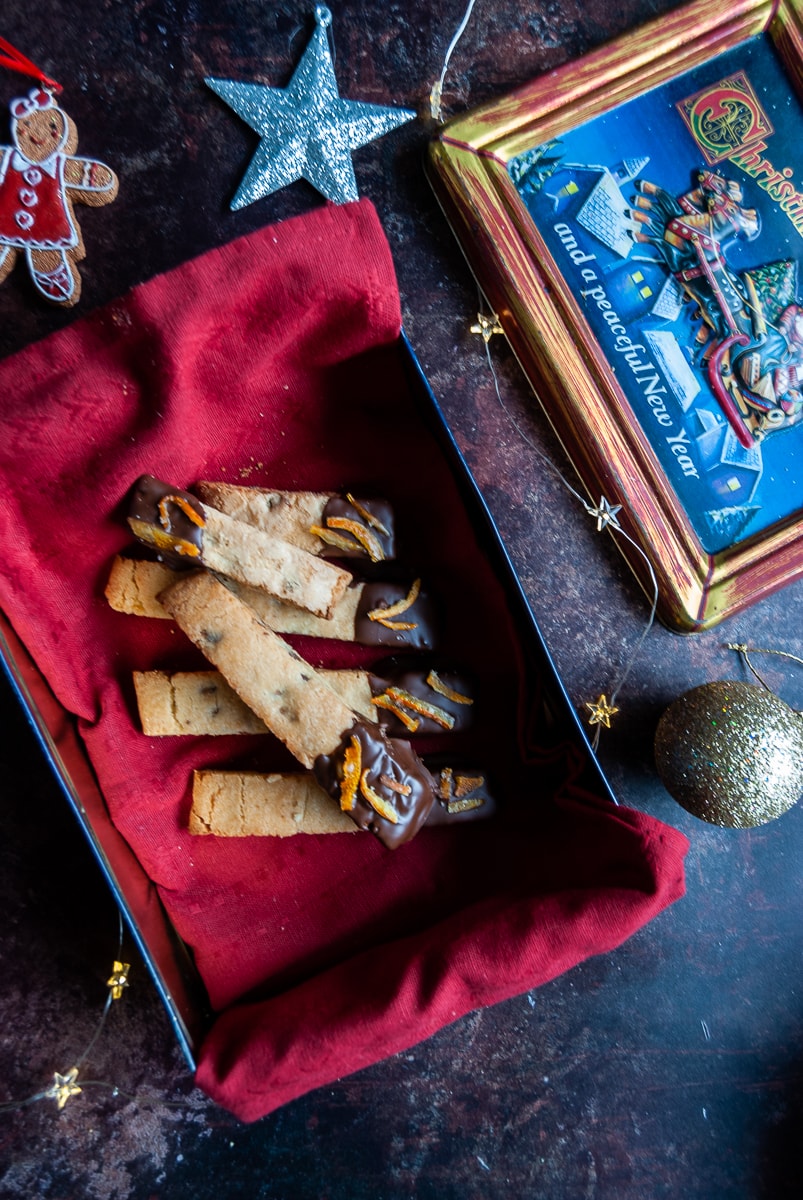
[(119, 979), (487, 326), (605, 514), (63, 1087), (601, 711)]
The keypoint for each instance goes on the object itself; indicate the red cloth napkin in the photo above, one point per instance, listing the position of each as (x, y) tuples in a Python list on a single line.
[(276, 360)]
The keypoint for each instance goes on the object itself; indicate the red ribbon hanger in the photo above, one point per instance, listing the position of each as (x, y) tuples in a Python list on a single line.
[(10, 57)]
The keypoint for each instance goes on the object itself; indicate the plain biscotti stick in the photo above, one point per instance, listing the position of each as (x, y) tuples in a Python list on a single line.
[(361, 615), (319, 522), (378, 781), (183, 530), (201, 703)]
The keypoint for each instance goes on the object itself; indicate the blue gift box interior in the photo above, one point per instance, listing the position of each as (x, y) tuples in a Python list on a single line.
[(169, 962)]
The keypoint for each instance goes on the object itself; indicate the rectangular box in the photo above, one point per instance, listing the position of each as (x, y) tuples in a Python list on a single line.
[(286, 963), (167, 958), (169, 962), (634, 219)]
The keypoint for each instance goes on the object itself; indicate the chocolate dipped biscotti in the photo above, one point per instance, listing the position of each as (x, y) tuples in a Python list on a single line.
[(185, 532), (252, 804), (401, 694), (323, 523), (389, 614)]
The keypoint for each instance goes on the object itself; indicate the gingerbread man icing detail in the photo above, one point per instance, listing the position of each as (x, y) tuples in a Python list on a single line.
[(40, 180)]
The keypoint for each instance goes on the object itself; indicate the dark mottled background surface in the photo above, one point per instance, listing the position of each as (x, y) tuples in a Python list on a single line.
[(669, 1068)]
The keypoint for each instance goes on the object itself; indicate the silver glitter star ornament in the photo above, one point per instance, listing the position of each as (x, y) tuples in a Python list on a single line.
[(307, 131)]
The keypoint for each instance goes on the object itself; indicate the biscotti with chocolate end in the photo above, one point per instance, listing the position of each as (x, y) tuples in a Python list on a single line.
[(134, 586), (183, 531), (249, 804), (390, 614), (252, 804), (322, 523), (402, 694)]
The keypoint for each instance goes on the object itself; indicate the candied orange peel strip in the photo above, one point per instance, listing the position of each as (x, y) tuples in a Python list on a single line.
[(367, 516), (331, 538), (184, 506), (439, 715), (445, 779), (436, 683), (383, 615), (369, 541), (465, 805), (395, 785), (384, 701), (161, 539), (464, 785), (379, 805), (352, 762), (458, 790)]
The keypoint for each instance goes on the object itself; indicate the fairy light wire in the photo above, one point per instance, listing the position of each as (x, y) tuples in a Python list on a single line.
[(605, 515), (745, 651), (437, 88), (64, 1085)]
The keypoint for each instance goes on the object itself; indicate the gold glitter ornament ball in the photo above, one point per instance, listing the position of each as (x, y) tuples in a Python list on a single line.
[(731, 754)]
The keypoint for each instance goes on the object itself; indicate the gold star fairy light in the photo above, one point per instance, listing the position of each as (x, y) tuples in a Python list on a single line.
[(601, 711), (487, 326), (118, 980), (63, 1087)]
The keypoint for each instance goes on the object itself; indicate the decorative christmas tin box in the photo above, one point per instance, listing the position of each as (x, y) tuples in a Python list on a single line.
[(634, 219)]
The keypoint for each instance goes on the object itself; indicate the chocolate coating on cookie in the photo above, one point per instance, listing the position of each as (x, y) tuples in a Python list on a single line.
[(167, 519), (397, 684), (391, 777), (462, 793), (412, 629), (374, 515)]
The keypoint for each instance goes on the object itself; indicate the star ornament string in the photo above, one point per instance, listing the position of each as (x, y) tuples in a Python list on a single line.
[(66, 1085), (436, 94), (606, 517), (745, 651), (14, 60), (605, 514)]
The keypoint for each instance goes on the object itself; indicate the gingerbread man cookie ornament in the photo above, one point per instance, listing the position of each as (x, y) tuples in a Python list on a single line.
[(40, 181)]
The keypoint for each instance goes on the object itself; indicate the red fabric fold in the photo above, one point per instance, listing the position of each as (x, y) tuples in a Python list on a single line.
[(626, 869), (276, 360)]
